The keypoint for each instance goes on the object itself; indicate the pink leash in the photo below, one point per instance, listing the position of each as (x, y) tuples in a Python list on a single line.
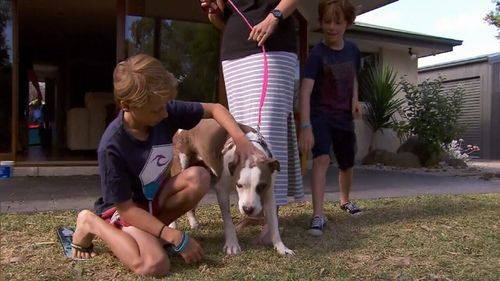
[(266, 70)]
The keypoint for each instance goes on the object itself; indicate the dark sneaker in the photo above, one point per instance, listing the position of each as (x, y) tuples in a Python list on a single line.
[(351, 208), (317, 225)]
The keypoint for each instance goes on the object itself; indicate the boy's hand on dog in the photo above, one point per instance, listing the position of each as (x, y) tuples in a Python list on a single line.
[(193, 252), (246, 150)]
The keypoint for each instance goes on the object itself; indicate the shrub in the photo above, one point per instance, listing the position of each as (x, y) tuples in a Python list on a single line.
[(380, 90), (430, 113)]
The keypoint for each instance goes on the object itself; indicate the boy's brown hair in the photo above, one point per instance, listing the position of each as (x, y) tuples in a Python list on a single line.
[(339, 6), (140, 76)]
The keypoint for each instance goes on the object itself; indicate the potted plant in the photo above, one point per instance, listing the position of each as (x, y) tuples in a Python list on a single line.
[(379, 89)]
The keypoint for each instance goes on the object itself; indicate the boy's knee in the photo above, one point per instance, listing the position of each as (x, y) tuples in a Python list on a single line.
[(199, 178), (322, 160), (154, 267), (346, 169)]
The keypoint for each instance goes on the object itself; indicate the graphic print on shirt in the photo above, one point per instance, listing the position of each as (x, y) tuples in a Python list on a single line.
[(155, 169), (336, 86)]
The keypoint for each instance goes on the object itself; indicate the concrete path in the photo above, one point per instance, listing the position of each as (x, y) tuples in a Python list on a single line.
[(34, 194)]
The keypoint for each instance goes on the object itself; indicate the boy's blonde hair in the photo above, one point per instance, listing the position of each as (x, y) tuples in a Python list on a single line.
[(339, 6), (140, 76)]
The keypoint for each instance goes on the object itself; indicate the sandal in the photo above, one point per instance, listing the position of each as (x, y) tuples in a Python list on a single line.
[(82, 249)]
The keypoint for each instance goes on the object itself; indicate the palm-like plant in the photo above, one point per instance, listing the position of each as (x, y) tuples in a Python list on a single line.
[(379, 90)]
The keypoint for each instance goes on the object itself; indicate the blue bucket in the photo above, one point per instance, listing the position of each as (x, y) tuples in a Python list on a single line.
[(6, 169)]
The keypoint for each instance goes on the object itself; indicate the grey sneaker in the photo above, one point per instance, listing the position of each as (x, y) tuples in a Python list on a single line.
[(317, 225), (351, 208)]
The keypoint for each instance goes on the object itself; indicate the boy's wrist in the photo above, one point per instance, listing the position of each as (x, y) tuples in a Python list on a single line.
[(240, 138), (182, 244), (171, 236), (305, 126)]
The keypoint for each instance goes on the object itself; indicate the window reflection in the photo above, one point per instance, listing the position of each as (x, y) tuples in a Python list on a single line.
[(139, 36), (187, 49), (191, 52)]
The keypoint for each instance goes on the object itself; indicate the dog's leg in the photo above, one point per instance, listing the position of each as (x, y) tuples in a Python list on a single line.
[(184, 160), (193, 222), (223, 187), (272, 223)]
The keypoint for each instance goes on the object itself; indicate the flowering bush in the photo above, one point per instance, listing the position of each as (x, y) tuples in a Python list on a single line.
[(456, 151), (431, 113)]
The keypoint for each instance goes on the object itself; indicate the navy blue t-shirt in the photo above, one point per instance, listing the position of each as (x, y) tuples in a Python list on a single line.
[(333, 72), (133, 169)]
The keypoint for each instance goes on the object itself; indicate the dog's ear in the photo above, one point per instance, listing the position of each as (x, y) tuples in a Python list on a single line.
[(274, 164)]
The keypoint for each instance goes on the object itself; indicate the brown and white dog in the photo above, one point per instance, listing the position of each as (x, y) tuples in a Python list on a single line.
[(209, 144)]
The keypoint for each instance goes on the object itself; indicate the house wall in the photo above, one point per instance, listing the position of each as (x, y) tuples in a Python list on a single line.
[(404, 66), (402, 63), (489, 98)]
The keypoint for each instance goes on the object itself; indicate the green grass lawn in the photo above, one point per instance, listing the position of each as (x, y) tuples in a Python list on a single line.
[(419, 238)]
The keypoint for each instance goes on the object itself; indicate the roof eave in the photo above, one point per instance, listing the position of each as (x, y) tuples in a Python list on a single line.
[(491, 58), (426, 44)]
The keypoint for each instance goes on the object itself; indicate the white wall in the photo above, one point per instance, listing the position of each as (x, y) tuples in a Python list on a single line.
[(404, 66), (402, 63)]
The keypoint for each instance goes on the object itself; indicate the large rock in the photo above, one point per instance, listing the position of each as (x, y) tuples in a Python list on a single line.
[(425, 155), (404, 160), (376, 156), (380, 156), (456, 163)]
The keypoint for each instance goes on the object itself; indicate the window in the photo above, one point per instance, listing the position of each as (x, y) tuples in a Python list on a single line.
[(187, 49)]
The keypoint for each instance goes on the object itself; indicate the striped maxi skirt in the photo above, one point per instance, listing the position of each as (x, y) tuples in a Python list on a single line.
[(243, 78)]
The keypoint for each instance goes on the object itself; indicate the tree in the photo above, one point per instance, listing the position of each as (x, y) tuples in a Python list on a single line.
[(493, 17)]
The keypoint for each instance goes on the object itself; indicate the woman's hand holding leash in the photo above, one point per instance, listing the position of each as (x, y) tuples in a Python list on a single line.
[(263, 30), (209, 6)]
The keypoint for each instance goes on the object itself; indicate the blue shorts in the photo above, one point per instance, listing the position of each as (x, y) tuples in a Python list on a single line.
[(343, 142)]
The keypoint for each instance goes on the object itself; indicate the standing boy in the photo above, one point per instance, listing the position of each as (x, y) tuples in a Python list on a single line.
[(328, 104)]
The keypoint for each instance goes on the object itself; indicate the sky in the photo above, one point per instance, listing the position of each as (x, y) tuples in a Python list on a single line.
[(452, 19)]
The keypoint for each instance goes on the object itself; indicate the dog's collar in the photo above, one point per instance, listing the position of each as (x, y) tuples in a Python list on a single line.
[(229, 145), (264, 145)]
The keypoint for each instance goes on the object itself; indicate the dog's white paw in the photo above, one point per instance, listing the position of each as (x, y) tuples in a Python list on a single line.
[(194, 225), (283, 250), (232, 249), (193, 222), (173, 225)]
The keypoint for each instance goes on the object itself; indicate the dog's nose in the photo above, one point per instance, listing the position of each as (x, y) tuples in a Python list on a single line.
[(248, 210)]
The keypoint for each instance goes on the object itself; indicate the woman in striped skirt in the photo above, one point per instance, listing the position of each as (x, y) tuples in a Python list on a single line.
[(243, 68)]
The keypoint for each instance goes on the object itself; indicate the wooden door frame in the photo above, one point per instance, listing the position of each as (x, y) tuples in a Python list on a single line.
[(15, 86)]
